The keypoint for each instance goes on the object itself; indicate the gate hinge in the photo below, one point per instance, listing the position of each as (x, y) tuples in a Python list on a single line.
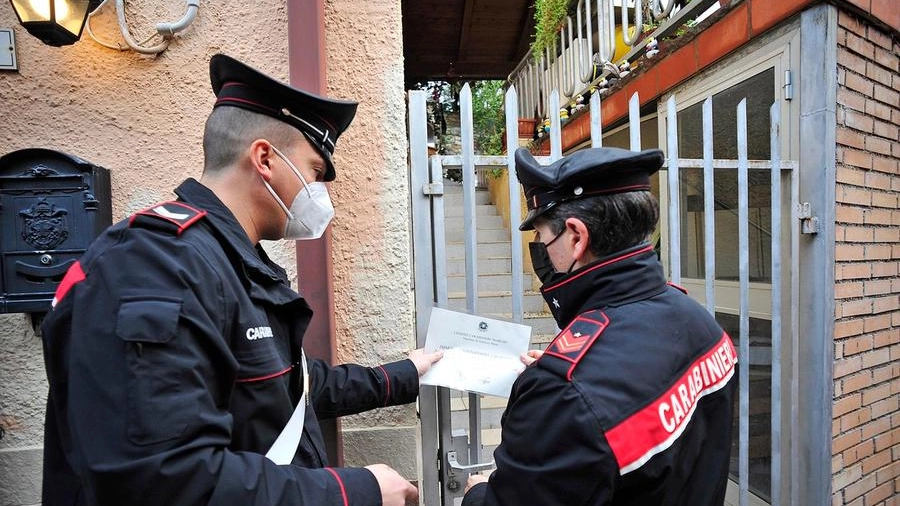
[(809, 224), (433, 189)]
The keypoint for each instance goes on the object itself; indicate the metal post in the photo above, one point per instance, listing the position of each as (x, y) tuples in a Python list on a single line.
[(515, 209), (775, 139), (744, 283), (674, 189), (555, 129), (709, 208), (634, 122), (596, 122)]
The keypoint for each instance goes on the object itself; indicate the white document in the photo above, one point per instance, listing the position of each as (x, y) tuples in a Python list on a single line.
[(480, 354)]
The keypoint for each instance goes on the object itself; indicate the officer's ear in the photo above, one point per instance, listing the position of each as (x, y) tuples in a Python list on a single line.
[(580, 240), (261, 155)]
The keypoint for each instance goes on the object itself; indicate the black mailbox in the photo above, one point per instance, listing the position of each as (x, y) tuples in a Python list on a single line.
[(52, 205)]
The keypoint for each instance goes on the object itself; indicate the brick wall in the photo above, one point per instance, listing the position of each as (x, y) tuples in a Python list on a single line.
[(866, 424)]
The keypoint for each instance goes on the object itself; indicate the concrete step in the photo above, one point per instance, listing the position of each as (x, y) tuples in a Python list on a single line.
[(486, 282), (484, 266), (457, 234), (483, 249), (453, 210), (496, 302), (481, 222), (454, 197)]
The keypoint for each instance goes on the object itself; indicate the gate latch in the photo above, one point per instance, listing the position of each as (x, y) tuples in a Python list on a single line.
[(433, 189), (809, 224), (473, 468)]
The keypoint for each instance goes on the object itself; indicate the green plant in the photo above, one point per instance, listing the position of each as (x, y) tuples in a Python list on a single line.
[(487, 116), (549, 16)]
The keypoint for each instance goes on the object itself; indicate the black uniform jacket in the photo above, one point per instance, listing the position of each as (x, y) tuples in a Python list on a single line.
[(173, 359), (631, 404)]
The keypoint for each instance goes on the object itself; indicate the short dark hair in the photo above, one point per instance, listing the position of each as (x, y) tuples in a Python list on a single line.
[(230, 129), (615, 222)]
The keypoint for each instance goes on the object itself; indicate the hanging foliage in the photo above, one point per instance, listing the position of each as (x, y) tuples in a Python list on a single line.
[(549, 16)]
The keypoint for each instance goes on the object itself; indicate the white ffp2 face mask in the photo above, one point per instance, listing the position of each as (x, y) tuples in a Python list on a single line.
[(310, 212)]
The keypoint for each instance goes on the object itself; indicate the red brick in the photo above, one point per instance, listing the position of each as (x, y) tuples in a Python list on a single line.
[(860, 46), (877, 110), (877, 287), (855, 271), (878, 73), (884, 199), (886, 95), (854, 308), (859, 121), (851, 61), (853, 157), (847, 366), (851, 22), (849, 214), (856, 345), (853, 195), (853, 420), (848, 290), (880, 493), (878, 216), (851, 99), (883, 441), (876, 393), (878, 180), (860, 83), (875, 357), (849, 252), (876, 323), (859, 234), (887, 165), (885, 373), (884, 407), (888, 473), (851, 138), (878, 251), (878, 145), (878, 37), (887, 234), (887, 338), (848, 328), (886, 58), (895, 216), (858, 452), (885, 304), (884, 269), (859, 488), (886, 130), (895, 254), (877, 426)]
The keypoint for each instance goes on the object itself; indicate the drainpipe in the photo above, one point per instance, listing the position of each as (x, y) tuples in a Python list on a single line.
[(306, 59)]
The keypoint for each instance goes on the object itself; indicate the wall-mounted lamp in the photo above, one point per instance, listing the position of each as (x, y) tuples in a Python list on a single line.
[(55, 22)]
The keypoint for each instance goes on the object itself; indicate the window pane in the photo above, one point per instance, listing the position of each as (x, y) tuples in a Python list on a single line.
[(759, 91), (726, 224), (760, 447)]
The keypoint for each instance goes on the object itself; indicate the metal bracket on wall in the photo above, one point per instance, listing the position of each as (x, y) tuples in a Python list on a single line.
[(433, 189), (809, 224)]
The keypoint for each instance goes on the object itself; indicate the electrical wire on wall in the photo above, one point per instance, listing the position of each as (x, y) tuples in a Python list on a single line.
[(165, 32)]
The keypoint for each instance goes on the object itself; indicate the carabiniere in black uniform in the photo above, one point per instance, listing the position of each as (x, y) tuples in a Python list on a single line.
[(173, 358), (173, 352), (631, 403)]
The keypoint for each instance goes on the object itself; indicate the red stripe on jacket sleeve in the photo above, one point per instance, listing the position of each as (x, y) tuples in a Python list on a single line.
[(341, 484), (387, 381), (657, 426), (73, 276)]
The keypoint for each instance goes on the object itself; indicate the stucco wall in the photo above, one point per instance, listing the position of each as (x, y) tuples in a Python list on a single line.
[(142, 118), (372, 263)]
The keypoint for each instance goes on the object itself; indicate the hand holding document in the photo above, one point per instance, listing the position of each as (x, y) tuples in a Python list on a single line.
[(480, 354)]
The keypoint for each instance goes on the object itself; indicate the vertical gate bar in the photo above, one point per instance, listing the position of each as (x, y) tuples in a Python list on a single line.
[(441, 296), (471, 247), (634, 122), (795, 333), (555, 127), (744, 282), (515, 209), (674, 188), (775, 116), (709, 208), (424, 281), (596, 122)]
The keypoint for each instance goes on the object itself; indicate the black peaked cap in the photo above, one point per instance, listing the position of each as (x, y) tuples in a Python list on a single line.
[(321, 120), (585, 173)]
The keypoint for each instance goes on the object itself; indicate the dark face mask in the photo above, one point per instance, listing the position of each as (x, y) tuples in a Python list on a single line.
[(540, 261)]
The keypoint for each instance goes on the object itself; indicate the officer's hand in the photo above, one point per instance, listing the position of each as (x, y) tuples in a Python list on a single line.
[(395, 490), (424, 360), (530, 357), (475, 479)]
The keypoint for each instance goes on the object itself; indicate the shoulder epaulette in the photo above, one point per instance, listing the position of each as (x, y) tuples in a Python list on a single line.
[(173, 217), (573, 342), (677, 287)]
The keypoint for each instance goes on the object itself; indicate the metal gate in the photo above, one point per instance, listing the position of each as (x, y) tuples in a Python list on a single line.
[(451, 452)]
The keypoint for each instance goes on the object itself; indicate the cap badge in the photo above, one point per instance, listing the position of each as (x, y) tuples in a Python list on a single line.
[(578, 190)]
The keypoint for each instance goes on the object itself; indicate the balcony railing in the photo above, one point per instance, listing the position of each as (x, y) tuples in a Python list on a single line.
[(587, 57)]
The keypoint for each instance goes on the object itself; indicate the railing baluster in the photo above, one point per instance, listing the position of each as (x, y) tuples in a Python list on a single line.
[(555, 130), (777, 290), (638, 22), (674, 191), (596, 122), (709, 197), (569, 61), (744, 283), (515, 210), (606, 29), (634, 122), (585, 70)]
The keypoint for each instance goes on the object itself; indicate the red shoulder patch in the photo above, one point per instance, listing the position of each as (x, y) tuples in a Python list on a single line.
[(677, 287), (574, 341), (73, 276), (172, 216)]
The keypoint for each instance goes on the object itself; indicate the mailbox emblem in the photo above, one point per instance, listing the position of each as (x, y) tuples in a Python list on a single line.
[(44, 225)]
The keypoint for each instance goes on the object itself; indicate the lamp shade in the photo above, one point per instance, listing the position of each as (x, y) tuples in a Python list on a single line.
[(55, 22)]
